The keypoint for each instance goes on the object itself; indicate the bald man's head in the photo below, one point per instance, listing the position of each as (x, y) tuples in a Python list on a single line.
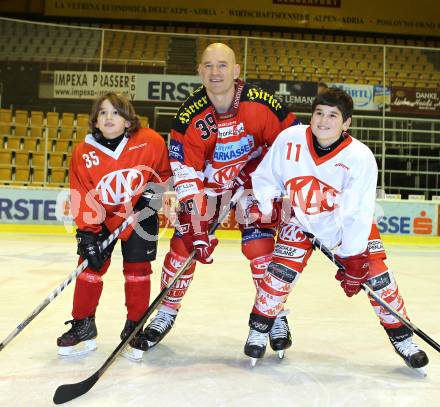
[(218, 70), (218, 48)]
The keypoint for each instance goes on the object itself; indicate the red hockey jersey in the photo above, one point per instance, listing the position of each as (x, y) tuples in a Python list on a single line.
[(207, 150), (105, 185)]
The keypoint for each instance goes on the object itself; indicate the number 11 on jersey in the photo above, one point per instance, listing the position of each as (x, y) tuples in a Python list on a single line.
[(289, 151)]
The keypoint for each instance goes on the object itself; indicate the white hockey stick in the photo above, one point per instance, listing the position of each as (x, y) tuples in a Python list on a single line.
[(327, 252), (72, 276)]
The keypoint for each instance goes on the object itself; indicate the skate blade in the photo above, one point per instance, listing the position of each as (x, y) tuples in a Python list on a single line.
[(253, 362), (420, 371), (78, 350), (152, 344), (281, 354), (132, 354)]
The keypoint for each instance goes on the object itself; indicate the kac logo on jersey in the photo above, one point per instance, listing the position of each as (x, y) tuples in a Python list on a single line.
[(228, 173), (291, 233), (312, 195), (120, 186)]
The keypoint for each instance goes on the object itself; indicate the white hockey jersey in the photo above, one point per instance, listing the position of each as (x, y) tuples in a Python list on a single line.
[(333, 196)]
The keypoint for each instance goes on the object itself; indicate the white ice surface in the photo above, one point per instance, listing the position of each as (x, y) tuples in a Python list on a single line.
[(340, 355)]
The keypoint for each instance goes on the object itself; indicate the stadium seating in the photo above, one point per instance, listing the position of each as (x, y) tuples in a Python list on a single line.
[(67, 125), (24, 157), (82, 126), (5, 158), (36, 124), (52, 124), (5, 121), (21, 122)]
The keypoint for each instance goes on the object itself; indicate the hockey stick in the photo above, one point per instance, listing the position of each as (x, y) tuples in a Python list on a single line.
[(67, 392), (327, 252), (72, 276)]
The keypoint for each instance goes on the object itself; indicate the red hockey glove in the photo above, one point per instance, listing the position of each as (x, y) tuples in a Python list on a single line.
[(194, 232), (355, 273), (243, 178)]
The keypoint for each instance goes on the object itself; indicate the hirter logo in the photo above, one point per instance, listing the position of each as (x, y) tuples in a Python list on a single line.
[(226, 174), (120, 186), (311, 195)]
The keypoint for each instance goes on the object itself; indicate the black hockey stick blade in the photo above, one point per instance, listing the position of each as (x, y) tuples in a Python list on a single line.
[(67, 392)]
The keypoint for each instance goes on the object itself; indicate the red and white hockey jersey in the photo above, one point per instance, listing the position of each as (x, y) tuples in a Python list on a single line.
[(105, 185), (333, 196), (208, 150)]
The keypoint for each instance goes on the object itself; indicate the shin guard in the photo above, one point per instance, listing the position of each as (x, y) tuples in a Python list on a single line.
[(274, 289), (172, 264), (258, 267), (384, 285), (137, 288), (257, 245), (88, 289)]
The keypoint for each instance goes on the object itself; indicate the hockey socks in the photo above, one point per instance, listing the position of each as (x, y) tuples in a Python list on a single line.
[(137, 288), (88, 289), (172, 264)]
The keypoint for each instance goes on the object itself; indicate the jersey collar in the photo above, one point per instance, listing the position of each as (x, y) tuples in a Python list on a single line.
[(114, 154), (232, 111), (320, 160)]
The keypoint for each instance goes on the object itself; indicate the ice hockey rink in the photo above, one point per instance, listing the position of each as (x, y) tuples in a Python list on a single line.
[(340, 355)]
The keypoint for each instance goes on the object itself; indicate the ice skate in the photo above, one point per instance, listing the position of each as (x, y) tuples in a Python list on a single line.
[(255, 346), (79, 339), (279, 336), (137, 345), (159, 326), (413, 356)]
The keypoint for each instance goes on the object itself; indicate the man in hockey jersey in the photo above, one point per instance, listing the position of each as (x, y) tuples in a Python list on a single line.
[(218, 135), (330, 179), (118, 166)]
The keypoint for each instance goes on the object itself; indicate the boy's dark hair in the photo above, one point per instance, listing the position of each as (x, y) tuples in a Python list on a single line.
[(124, 108), (335, 97)]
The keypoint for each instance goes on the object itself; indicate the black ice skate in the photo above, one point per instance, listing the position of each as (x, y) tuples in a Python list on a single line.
[(413, 356), (255, 346), (137, 345), (159, 326), (79, 339), (256, 342), (279, 336)]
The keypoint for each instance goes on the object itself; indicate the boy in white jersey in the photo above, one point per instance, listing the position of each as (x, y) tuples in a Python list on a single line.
[(330, 180)]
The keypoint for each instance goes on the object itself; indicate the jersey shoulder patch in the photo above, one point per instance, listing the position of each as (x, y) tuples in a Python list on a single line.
[(196, 103), (253, 93)]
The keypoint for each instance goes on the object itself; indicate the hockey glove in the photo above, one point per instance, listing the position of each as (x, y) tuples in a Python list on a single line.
[(88, 248), (194, 231), (355, 273), (243, 178)]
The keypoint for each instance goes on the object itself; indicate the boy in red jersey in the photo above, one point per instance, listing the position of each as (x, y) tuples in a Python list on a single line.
[(117, 169)]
